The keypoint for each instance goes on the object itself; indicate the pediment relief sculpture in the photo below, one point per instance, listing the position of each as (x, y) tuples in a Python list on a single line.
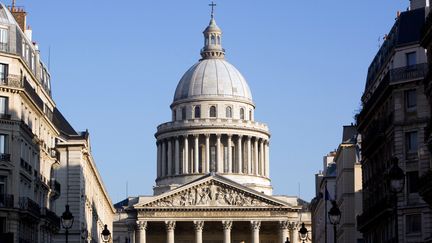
[(212, 194)]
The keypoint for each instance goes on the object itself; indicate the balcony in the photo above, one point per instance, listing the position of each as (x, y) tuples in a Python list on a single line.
[(12, 81), (30, 206), (5, 116), (56, 188), (51, 217), (6, 201), (418, 71), (4, 47), (5, 157)]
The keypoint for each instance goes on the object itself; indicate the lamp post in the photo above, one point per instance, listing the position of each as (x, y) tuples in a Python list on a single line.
[(396, 178), (334, 215), (106, 234), (67, 221), (303, 232), (287, 240)]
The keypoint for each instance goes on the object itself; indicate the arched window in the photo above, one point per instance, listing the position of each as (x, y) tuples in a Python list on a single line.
[(197, 111), (250, 115), (174, 115), (213, 40), (242, 115), (218, 40), (183, 113), (206, 41), (212, 111), (229, 112)]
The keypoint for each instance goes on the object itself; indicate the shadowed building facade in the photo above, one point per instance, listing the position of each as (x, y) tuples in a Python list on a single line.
[(213, 168)]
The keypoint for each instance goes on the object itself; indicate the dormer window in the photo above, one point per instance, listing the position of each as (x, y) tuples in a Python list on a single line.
[(3, 39)]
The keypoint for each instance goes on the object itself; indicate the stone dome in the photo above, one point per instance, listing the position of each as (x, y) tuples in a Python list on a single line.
[(213, 78)]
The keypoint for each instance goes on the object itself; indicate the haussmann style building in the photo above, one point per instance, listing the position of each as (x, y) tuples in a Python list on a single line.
[(213, 168)]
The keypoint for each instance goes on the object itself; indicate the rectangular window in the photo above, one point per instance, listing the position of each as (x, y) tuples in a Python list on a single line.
[(413, 223), (412, 181), (2, 143), (3, 39), (411, 59), (411, 142), (3, 72), (3, 105), (410, 99)]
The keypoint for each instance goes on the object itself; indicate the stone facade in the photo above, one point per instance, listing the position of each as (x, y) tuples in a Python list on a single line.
[(36, 144), (392, 123), (213, 168)]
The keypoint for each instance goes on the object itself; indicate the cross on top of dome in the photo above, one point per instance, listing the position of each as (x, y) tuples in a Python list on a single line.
[(212, 39)]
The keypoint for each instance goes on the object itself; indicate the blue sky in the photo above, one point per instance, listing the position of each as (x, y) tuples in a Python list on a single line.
[(115, 66)]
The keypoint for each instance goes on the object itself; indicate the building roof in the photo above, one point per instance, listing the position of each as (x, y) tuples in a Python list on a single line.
[(5, 16), (62, 124), (213, 76)]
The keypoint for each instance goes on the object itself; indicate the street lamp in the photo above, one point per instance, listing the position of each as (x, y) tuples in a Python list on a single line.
[(287, 240), (67, 221), (303, 232), (396, 178), (334, 215), (106, 234)]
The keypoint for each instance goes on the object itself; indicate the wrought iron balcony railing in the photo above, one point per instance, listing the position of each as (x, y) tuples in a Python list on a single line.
[(50, 216), (5, 157), (418, 71), (30, 206), (6, 201)]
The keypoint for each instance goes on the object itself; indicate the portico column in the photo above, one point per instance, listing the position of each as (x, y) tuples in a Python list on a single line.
[(255, 227), (262, 157), (227, 226), (239, 155), (159, 162), (283, 231), (256, 159), (229, 154), (219, 154), (141, 233), (249, 156), (199, 226), (170, 226), (267, 159), (196, 151), (170, 157), (293, 233), (163, 158), (177, 156), (186, 155), (206, 168)]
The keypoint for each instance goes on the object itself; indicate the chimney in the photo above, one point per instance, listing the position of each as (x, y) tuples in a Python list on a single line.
[(416, 4), (20, 16)]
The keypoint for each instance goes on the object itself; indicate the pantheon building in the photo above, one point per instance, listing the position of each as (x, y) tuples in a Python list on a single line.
[(213, 170)]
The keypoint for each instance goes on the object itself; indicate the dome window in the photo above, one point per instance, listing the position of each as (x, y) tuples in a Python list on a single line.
[(174, 115), (218, 40), (250, 115), (197, 112), (183, 113), (229, 112), (213, 40), (242, 114), (213, 111)]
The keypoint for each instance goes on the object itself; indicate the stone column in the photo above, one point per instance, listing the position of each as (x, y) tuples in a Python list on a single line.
[(196, 152), (227, 226), (206, 168), (256, 159), (293, 233), (170, 226), (164, 169), (249, 156), (177, 156), (159, 162), (267, 158), (229, 153), (131, 231), (141, 231), (219, 154), (239, 155), (186, 155), (199, 226), (261, 165), (170, 157), (255, 227), (283, 231)]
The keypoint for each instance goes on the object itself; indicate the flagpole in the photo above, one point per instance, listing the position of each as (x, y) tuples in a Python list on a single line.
[(325, 215)]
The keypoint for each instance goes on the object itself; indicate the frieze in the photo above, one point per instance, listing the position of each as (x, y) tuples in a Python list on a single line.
[(210, 214), (211, 194)]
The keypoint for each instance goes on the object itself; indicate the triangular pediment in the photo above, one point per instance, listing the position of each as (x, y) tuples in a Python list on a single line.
[(214, 192)]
